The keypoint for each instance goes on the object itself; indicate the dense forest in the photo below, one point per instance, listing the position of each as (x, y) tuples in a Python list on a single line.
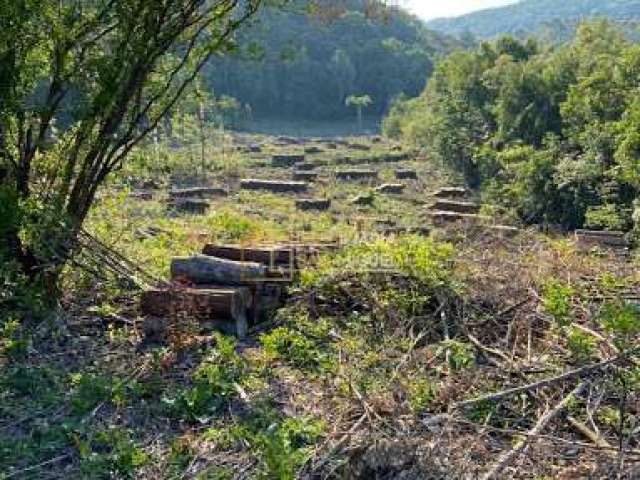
[(540, 16), (290, 64), (550, 134)]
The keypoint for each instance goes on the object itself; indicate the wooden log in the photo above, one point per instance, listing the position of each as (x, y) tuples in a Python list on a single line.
[(198, 192), (590, 238), (357, 175), (276, 186), (391, 188), (304, 176), (331, 145), (313, 204), (455, 206), (268, 255), (286, 160), (189, 205), (406, 174), (213, 307), (204, 269), (451, 192)]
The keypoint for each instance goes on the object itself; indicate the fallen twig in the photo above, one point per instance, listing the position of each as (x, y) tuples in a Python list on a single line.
[(505, 459), (542, 383)]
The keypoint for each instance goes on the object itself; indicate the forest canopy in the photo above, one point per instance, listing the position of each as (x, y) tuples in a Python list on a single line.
[(549, 134)]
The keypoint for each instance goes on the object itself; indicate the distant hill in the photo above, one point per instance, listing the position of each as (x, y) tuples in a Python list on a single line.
[(528, 16), (292, 65)]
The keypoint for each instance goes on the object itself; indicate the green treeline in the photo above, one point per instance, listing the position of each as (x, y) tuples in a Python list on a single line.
[(551, 135), (290, 64)]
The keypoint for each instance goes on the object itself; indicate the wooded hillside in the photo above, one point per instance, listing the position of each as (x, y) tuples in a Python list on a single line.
[(529, 16), (291, 64)]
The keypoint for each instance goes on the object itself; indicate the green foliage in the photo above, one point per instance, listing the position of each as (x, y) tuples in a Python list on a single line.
[(421, 394), (415, 256), (549, 134), (461, 355), (622, 320), (556, 300), (294, 347), (581, 345), (214, 382), (110, 453)]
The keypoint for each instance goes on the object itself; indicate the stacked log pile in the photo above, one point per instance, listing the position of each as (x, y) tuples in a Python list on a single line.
[(227, 288)]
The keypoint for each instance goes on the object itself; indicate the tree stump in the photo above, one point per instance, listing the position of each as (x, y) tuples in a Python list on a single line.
[(189, 205), (198, 192), (283, 161), (455, 206), (601, 238), (312, 150), (276, 186), (406, 175), (313, 204), (357, 175), (451, 192), (141, 195), (305, 176), (391, 188)]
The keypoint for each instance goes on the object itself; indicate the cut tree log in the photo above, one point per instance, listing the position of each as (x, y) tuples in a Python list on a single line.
[(590, 238), (444, 205), (313, 204), (391, 188), (189, 205), (357, 175), (207, 270), (286, 160), (288, 256), (198, 192), (268, 255), (299, 176), (406, 174), (276, 186), (213, 307), (451, 192)]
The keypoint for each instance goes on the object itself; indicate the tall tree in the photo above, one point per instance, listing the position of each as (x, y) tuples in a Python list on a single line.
[(359, 102), (108, 72)]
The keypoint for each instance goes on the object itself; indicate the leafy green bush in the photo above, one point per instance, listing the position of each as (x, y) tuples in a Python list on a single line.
[(111, 453), (214, 381), (556, 300)]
